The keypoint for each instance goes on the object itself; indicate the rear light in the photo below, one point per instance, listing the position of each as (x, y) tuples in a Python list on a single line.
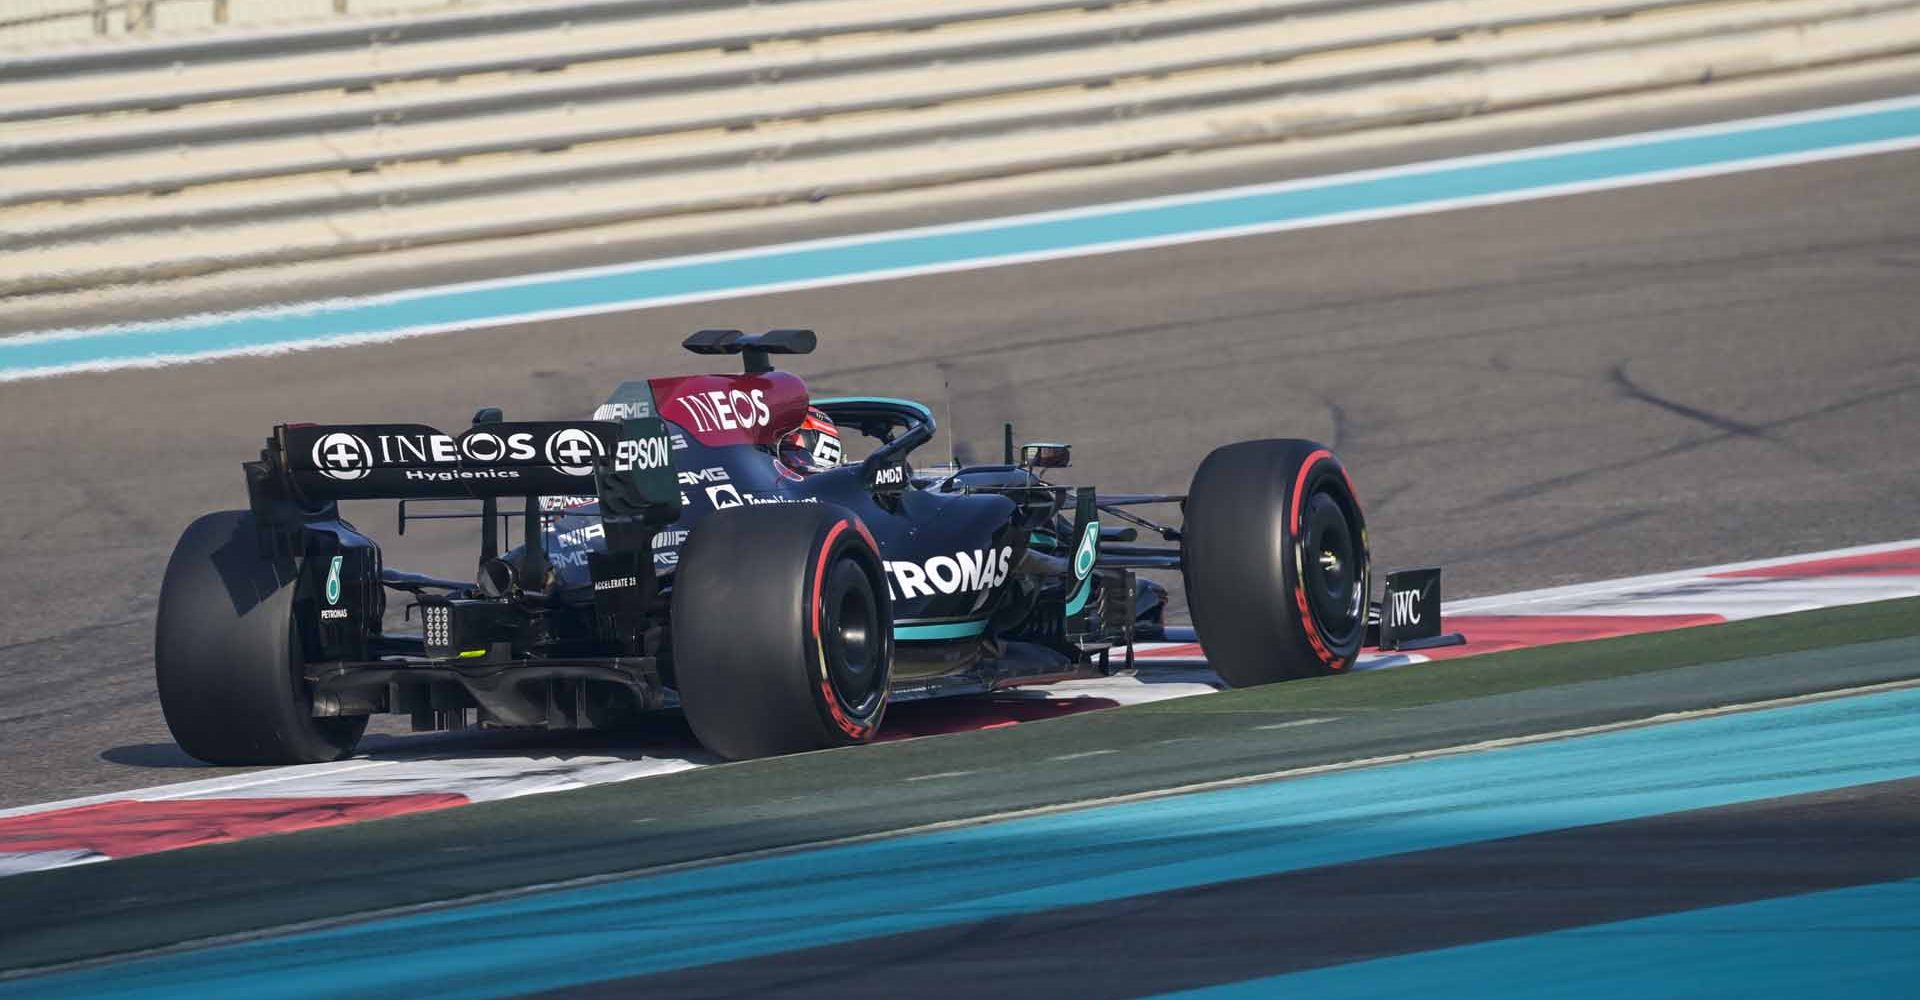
[(467, 629)]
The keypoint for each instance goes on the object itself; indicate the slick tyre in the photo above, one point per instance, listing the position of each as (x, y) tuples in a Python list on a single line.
[(226, 653), (782, 630), (1275, 560)]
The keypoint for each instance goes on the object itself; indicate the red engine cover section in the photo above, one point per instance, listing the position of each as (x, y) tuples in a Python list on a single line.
[(720, 410)]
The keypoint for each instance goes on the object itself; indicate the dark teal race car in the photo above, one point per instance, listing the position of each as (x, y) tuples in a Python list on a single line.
[(667, 559)]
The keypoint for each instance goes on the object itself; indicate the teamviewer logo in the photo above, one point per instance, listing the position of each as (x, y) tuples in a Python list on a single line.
[(342, 456)]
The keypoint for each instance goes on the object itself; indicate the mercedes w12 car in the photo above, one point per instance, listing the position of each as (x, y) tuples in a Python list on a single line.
[(668, 557)]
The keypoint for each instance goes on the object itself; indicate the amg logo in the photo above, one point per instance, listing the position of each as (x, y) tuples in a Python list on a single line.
[(580, 536), (710, 474), (1405, 609), (635, 410), (962, 572)]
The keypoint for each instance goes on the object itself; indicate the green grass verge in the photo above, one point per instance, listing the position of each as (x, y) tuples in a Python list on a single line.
[(1568, 663)]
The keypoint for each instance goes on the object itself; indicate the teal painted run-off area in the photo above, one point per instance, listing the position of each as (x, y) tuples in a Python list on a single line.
[(1531, 173), (951, 877), (1857, 942)]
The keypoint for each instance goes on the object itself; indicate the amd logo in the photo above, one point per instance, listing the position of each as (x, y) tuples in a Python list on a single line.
[(727, 409), (962, 572), (890, 475)]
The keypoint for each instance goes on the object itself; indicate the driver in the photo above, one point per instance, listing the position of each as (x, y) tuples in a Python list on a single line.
[(814, 447)]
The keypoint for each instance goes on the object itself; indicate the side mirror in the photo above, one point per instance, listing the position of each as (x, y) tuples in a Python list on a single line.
[(1046, 455)]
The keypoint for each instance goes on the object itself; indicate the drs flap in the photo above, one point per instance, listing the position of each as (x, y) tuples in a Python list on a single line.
[(393, 461)]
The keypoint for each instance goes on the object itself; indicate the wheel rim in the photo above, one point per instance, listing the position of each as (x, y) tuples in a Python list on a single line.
[(853, 645), (1332, 566)]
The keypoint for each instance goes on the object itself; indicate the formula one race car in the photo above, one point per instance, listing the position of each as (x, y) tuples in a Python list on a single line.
[(669, 555)]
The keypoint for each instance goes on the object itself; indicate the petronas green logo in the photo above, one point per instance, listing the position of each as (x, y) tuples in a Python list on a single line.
[(333, 581), (1089, 548)]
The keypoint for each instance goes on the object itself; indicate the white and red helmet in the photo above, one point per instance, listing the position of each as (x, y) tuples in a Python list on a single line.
[(814, 446)]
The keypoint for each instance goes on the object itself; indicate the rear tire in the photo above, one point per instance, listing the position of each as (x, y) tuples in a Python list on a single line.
[(226, 653), (1276, 563), (782, 630)]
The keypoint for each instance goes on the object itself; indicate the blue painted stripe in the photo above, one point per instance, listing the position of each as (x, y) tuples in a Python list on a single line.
[(1542, 172), (950, 630), (745, 909), (1858, 942)]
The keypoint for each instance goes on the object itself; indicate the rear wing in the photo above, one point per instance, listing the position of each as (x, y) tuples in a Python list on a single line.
[(627, 464)]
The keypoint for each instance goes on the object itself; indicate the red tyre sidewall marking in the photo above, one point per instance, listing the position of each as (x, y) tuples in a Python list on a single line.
[(884, 596), (1300, 554), (847, 725)]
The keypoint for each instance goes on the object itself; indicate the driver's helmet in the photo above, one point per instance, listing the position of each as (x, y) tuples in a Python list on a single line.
[(814, 447)]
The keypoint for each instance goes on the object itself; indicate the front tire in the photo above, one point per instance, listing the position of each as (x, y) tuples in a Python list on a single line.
[(782, 630), (226, 653), (1276, 564)]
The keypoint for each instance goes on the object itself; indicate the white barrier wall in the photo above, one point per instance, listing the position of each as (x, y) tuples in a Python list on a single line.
[(143, 161)]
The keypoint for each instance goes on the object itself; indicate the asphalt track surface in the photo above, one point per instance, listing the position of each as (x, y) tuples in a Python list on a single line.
[(1572, 389)]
